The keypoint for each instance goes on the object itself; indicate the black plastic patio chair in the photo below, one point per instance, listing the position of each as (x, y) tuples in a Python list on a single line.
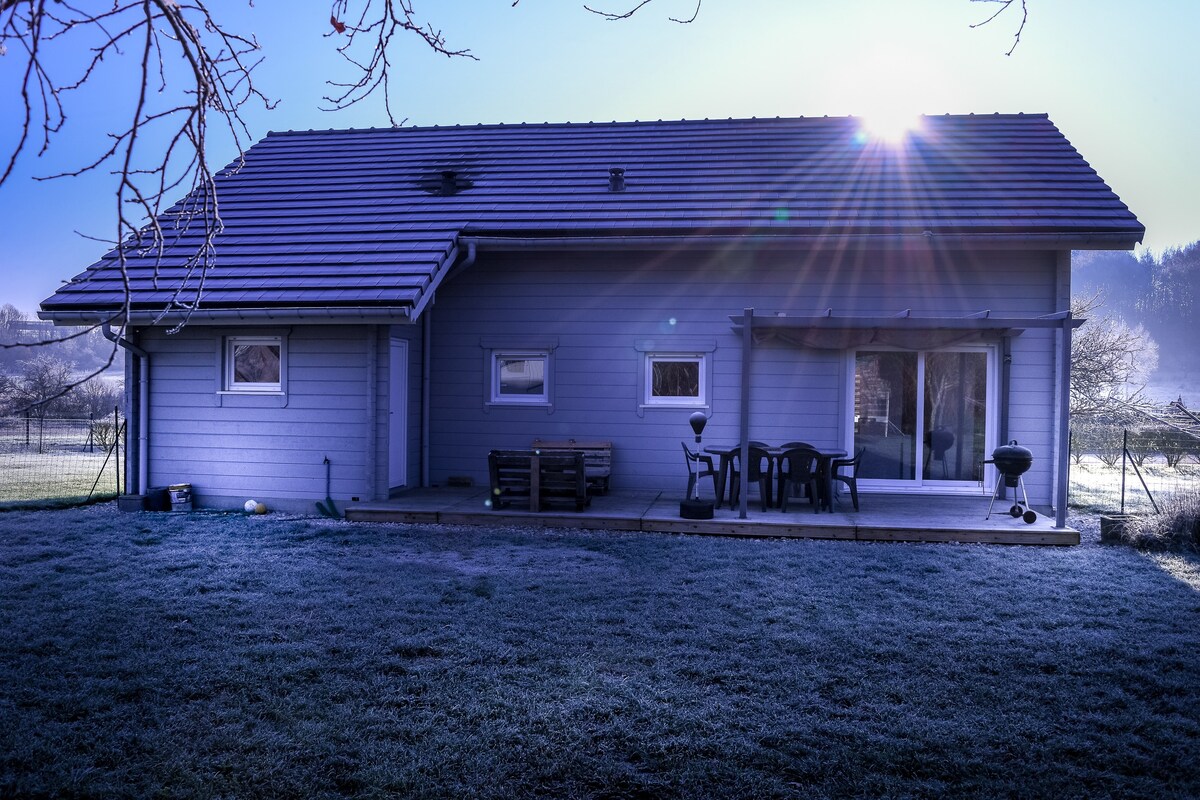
[(700, 466), (850, 480), (759, 471), (798, 468)]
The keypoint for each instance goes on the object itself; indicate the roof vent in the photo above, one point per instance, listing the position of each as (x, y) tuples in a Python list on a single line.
[(449, 183), (616, 179)]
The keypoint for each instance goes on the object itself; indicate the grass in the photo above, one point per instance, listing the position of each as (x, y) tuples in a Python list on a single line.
[(224, 656), (55, 477), (1097, 487)]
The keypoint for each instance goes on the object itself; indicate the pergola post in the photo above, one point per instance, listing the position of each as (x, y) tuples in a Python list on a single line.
[(1064, 424), (747, 348)]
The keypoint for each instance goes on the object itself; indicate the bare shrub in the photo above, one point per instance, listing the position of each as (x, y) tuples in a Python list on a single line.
[(1176, 529), (1094, 435)]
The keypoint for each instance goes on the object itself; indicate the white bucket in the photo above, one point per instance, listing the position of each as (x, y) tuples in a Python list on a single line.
[(181, 496)]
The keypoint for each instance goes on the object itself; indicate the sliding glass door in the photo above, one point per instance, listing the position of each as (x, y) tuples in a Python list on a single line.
[(922, 416)]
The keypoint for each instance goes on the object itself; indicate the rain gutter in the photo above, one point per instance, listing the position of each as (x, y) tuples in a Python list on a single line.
[(764, 239), (362, 314)]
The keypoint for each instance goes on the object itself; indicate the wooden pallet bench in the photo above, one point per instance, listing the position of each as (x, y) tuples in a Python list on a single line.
[(538, 479), (597, 457)]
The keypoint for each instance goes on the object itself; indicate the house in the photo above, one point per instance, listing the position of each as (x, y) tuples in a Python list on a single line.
[(392, 304)]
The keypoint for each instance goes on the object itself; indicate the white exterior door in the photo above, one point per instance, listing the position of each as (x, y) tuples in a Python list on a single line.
[(398, 414)]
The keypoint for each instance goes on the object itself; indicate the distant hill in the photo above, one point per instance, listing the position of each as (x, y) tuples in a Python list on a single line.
[(85, 351)]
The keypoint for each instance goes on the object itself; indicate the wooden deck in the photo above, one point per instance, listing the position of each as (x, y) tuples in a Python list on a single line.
[(891, 518)]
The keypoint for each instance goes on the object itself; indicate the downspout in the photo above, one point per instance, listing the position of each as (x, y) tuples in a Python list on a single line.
[(143, 417), (427, 368)]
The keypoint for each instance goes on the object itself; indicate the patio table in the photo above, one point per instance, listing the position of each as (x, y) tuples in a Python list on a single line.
[(825, 460)]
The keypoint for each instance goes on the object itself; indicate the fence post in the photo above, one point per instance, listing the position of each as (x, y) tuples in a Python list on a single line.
[(117, 446), (1124, 455)]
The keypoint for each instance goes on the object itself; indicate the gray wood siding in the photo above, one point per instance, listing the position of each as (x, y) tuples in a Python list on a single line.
[(232, 447), (599, 306)]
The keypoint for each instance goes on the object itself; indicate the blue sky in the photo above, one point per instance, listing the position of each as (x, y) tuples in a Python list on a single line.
[(1119, 79)]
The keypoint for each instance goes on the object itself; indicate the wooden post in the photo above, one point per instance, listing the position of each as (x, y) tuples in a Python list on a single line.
[(1064, 426), (747, 351), (117, 446), (535, 482)]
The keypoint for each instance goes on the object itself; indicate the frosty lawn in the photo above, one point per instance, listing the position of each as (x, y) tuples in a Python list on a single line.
[(232, 656)]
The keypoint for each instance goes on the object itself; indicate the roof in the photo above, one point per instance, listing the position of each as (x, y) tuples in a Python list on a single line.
[(361, 219)]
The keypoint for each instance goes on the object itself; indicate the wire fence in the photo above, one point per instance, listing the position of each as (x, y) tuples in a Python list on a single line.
[(1134, 470), (50, 462)]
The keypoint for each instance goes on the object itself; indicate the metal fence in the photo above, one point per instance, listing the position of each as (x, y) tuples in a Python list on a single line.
[(45, 462), (1117, 468)]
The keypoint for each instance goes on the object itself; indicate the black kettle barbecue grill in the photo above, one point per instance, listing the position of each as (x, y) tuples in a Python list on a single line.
[(1012, 461)]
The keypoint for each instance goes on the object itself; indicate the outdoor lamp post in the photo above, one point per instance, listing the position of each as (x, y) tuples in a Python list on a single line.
[(693, 507)]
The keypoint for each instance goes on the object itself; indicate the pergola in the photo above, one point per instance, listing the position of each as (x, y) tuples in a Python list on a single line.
[(906, 330)]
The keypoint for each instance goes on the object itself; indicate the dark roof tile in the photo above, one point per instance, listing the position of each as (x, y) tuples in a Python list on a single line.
[(326, 218)]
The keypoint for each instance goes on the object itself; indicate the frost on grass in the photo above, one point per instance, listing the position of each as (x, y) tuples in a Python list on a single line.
[(1175, 528), (222, 655)]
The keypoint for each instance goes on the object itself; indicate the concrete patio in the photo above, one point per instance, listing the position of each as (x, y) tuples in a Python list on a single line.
[(884, 517)]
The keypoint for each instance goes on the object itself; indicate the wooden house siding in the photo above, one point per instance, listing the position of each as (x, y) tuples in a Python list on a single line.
[(599, 307), (232, 447)]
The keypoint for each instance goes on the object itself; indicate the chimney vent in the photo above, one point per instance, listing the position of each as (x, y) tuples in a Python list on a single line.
[(616, 179), (449, 183)]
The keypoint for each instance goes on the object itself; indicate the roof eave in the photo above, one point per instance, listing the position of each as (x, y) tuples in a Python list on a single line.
[(367, 315), (592, 240)]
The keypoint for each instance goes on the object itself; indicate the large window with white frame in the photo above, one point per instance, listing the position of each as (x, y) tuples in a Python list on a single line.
[(254, 364), (520, 377), (925, 417), (676, 379)]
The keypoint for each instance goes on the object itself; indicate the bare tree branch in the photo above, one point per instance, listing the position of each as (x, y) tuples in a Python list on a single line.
[(372, 33), (1110, 364), (187, 68), (609, 15), (1004, 6)]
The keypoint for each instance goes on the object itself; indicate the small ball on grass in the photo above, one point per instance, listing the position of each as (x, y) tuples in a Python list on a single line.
[(250, 506), (260, 508)]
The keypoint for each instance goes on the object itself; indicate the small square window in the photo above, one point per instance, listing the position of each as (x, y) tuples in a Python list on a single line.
[(675, 379), (520, 378), (254, 364)]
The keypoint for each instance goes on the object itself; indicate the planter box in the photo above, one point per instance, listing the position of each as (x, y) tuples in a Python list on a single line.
[(131, 502), (1112, 527)]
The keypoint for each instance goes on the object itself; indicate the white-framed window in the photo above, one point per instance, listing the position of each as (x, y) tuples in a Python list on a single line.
[(254, 364), (520, 377), (676, 379)]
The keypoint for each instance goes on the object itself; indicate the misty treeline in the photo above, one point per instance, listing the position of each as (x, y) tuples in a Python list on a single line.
[(1161, 293), (1141, 313), (41, 367)]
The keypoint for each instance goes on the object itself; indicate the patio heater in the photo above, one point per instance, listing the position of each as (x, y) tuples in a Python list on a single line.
[(693, 507)]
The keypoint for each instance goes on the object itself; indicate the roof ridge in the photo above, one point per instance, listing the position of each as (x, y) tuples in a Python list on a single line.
[(567, 124)]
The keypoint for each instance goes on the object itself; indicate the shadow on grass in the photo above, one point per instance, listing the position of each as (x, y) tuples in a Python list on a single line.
[(226, 655)]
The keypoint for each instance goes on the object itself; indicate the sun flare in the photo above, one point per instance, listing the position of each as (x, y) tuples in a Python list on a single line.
[(890, 125), (887, 91)]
